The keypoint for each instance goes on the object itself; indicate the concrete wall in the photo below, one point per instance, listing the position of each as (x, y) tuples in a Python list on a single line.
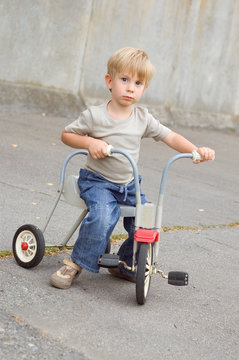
[(53, 55)]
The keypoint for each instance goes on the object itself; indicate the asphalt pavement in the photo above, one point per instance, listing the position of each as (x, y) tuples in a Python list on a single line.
[(98, 318)]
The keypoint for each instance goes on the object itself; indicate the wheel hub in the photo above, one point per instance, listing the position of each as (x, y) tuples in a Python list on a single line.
[(24, 246)]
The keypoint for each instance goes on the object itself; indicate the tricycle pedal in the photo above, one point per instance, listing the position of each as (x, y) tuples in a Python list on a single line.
[(108, 260), (178, 278)]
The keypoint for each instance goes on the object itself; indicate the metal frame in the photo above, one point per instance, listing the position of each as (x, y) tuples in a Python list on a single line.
[(157, 221)]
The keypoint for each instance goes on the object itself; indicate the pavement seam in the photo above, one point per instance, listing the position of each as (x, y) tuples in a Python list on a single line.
[(201, 227), (8, 253), (25, 189)]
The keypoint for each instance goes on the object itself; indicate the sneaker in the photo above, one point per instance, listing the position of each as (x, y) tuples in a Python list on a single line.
[(117, 273), (63, 278)]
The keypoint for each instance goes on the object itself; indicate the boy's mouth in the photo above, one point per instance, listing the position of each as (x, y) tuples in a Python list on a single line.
[(128, 98)]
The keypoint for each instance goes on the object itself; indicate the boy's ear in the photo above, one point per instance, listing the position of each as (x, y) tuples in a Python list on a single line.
[(108, 81)]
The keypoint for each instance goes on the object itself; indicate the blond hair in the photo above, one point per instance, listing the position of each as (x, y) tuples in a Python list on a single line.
[(135, 61)]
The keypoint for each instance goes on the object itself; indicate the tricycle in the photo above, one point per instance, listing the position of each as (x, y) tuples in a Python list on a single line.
[(29, 244)]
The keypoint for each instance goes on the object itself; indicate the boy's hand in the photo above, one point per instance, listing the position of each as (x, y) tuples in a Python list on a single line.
[(97, 149), (206, 153)]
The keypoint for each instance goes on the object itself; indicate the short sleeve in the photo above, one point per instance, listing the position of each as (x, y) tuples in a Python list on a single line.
[(155, 129), (81, 125)]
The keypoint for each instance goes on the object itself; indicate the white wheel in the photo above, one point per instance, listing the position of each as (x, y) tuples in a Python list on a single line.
[(28, 246)]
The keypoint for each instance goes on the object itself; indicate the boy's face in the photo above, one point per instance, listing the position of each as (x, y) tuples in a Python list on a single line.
[(126, 88)]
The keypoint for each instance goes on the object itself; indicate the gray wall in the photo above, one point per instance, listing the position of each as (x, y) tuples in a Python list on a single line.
[(53, 55)]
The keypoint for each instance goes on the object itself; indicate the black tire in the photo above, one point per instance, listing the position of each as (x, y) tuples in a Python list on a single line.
[(28, 246), (143, 275)]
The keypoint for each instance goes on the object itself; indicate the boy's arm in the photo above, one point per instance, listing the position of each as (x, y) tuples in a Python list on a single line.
[(96, 147), (181, 144)]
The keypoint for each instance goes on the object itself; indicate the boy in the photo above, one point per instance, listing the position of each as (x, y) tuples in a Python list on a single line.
[(107, 181)]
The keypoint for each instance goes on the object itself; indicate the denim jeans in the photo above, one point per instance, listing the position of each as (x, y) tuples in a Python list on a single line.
[(102, 198)]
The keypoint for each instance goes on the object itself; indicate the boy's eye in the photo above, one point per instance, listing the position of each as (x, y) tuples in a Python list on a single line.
[(124, 79), (139, 83)]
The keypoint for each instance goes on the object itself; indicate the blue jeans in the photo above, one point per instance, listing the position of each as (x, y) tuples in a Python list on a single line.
[(102, 198)]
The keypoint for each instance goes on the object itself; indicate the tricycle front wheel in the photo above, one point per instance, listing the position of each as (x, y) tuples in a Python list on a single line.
[(143, 275), (28, 246)]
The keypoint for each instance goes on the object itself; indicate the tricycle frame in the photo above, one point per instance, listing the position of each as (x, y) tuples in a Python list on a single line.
[(142, 226), (139, 206)]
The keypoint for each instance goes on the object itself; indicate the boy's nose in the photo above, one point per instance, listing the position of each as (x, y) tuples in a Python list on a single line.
[(130, 87)]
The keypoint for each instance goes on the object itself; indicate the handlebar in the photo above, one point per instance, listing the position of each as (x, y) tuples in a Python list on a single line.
[(196, 156), (110, 150)]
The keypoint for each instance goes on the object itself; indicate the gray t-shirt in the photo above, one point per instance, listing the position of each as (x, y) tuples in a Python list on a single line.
[(121, 134)]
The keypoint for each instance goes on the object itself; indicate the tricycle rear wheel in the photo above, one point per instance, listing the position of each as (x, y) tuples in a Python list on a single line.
[(143, 275), (28, 246)]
